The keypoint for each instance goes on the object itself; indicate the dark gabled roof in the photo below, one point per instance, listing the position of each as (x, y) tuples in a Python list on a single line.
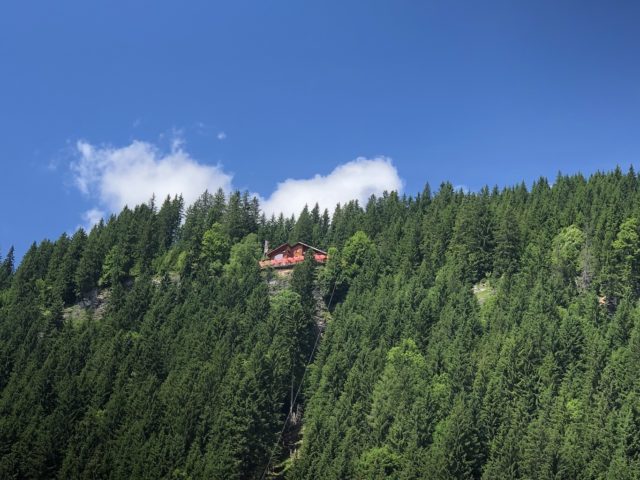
[(309, 246), (277, 249), (286, 245)]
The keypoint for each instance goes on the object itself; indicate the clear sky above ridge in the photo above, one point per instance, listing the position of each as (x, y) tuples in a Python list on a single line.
[(97, 99)]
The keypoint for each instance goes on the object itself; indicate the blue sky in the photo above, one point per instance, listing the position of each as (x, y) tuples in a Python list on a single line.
[(250, 94)]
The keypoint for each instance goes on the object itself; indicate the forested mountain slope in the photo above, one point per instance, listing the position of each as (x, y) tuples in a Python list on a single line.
[(151, 347)]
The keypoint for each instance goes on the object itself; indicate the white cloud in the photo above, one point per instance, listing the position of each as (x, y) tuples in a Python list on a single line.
[(130, 175), (355, 180), (92, 217), (221, 136)]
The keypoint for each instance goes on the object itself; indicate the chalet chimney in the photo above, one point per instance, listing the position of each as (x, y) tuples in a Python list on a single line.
[(266, 246)]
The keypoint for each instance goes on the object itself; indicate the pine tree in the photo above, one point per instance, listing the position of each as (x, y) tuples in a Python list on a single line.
[(6, 268)]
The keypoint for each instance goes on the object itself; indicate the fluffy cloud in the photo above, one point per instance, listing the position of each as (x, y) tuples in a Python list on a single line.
[(131, 175), (92, 217), (355, 180)]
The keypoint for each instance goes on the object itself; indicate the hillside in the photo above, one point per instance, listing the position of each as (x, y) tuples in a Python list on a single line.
[(471, 335)]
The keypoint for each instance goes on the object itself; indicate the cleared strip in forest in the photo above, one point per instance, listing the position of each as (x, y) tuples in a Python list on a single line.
[(320, 330)]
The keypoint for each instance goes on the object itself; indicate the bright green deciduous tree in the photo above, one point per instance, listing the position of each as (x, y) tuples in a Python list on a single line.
[(565, 253), (215, 248)]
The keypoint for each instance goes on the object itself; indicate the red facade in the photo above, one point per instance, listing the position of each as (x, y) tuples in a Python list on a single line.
[(288, 255)]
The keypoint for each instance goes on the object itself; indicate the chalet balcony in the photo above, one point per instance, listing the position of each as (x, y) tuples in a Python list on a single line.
[(286, 262)]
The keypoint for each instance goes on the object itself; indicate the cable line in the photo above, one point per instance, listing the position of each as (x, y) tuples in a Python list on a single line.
[(286, 420)]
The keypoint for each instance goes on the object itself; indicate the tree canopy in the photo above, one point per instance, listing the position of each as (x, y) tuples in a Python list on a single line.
[(484, 335)]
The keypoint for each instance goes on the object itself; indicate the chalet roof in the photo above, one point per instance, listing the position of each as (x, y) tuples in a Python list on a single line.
[(286, 246), (309, 246), (278, 249)]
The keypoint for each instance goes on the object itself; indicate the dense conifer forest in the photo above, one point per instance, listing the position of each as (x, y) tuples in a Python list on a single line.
[(489, 335)]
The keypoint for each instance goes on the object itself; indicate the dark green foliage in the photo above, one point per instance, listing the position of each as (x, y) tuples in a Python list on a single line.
[(303, 231), (153, 348), (535, 383), (6, 268), (169, 218), (302, 282), (171, 376)]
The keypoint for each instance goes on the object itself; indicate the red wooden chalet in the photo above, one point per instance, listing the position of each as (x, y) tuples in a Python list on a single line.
[(286, 255)]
